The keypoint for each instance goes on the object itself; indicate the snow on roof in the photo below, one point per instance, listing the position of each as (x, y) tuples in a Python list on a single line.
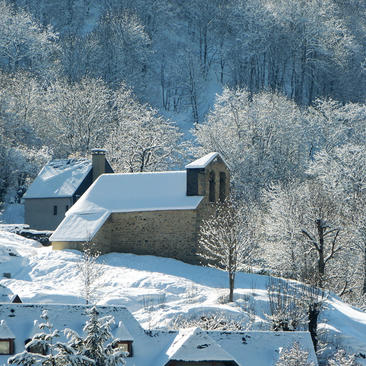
[(195, 345), (59, 178), (202, 162), (151, 347), (80, 227), (5, 332), (5, 294), (129, 192), (122, 333)]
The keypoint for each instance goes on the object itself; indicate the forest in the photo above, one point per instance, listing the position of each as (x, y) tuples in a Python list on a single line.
[(277, 87)]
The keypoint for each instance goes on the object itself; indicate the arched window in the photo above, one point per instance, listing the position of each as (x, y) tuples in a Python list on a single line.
[(222, 186), (212, 194)]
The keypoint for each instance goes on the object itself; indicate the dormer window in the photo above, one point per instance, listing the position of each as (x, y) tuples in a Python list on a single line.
[(124, 339), (125, 346), (6, 339), (6, 346)]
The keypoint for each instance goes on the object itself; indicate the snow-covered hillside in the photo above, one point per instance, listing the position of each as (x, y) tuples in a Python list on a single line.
[(155, 290)]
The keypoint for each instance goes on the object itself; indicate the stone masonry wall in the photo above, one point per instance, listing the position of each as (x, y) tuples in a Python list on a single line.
[(162, 233)]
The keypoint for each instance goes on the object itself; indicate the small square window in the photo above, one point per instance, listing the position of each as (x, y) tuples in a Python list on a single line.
[(54, 210), (6, 346), (125, 346)]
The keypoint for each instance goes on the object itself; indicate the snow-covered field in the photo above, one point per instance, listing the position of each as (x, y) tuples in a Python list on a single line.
[(155, 290)]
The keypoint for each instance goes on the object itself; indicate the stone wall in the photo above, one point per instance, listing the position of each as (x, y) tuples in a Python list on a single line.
[(162, 233)]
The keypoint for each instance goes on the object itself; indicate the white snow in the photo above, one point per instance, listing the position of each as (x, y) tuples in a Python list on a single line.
[(122, 333), (195, 345), (80, 227), (59, 178), (201, 163), (5, 332), (158, 290), (129, 192)]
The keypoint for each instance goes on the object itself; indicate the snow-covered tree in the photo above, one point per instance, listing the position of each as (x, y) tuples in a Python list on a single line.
[(141, 139), (260, 136), (96, 348), (340, 358), (25, 44), (44, 350), (305, 222), (294, 356), (226, 239), (79, 116), (343, 170), (98, 343), (210, 321)]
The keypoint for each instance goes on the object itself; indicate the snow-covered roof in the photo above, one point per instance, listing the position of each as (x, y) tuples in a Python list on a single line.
[(122, 333), (194, 345), (202, 162), (129, 192), (59, 178), (157, 347), (5, 293), (5, 332)]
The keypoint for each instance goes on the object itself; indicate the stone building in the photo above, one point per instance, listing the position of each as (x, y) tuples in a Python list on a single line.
[(58, 186), (147, 213)]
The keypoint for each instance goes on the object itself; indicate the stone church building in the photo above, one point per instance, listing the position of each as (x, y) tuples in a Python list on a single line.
[(156, 213)]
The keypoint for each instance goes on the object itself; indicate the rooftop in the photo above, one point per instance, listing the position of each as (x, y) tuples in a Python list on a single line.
[(59, 178)]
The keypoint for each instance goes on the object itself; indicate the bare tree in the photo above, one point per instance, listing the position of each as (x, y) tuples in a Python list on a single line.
[(90, 272), (226, 240)]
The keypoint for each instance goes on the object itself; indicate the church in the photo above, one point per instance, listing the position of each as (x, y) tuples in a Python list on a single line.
[(153, 213)]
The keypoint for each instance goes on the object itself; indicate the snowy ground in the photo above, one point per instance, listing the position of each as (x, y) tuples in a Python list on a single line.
[(155, 290)]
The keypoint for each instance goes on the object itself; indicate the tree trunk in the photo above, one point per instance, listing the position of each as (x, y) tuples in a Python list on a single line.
[(231, 286), (321, 263), (313, 314), (364, 270)]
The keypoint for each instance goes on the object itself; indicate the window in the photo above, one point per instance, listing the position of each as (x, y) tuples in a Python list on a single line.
[(125, 346), (222, 187), (54, 210), (212, 194), (6, 346)]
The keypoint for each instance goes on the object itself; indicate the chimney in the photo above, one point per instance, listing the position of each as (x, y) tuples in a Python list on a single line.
[(98, 162)]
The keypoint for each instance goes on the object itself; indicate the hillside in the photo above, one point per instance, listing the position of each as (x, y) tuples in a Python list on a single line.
[(158, 290)]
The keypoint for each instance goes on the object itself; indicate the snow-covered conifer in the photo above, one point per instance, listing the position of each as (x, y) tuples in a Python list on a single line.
[(294, 356), (98, 343)]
